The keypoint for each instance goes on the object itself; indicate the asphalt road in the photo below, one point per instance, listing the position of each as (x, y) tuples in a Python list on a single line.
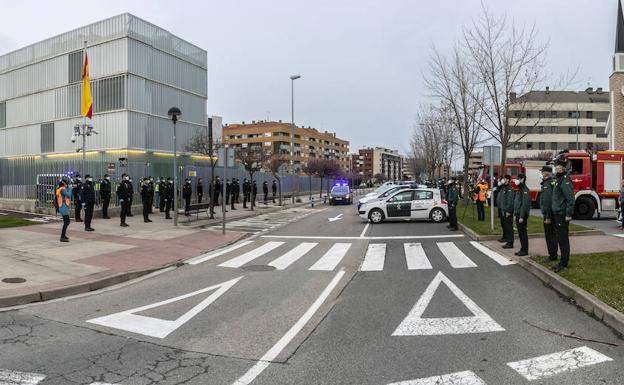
[(319, 302)]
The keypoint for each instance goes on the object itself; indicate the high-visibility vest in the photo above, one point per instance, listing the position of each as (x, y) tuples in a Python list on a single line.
[(482, 193), (59, 198)]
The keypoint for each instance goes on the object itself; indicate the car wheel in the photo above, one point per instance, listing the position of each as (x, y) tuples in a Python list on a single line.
[(376, 216), (437, 215)]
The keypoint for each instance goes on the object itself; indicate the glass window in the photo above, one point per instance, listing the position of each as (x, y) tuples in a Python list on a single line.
[(553, 145), (576, 166), (420, 195), (590, 130), (542, 114), (47, 137), (529, 146), (75, 66), (542, 145), (571, 130), (403, 196), (590, 114), (516, 114), (2, 114), (572, 145), (109, 94), (553, 114)]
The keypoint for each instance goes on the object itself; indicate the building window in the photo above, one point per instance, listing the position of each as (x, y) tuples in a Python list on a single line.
[(572, 145), (528, 114), (529, 146), (516, 146), (75, 66), (590, 115), (553, 114), (590, 130), (2, 114), (542, 145), (542, 114), (571, 130), (540, 129), (109, 94), (47, 137), (553, 145), (516, 114)]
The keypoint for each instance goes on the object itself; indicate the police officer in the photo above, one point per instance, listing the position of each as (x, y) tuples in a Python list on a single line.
[(187, 193), (508, 211), (265, 191), (217, 191), (131, 196), (546, 207), (234, 196), (152, 192), (452, 197), (522, 207), (124, 190), (228, 191), (77, 192), (500, 202), (147, 192), (236, 187), (274, 189), (199, 188), (246, 190), (88, 201), (562, 210), (105, 194), (168, 197), (254, 193)]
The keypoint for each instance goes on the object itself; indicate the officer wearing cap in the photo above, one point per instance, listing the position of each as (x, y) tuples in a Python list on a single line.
[(522, 207), (508, 210), (105, 194), (562, 210), (545, 201), (146, 198), (124, 191), (452, 197), (88, 201)]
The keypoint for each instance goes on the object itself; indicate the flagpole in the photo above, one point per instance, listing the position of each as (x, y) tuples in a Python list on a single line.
[(84, 123)]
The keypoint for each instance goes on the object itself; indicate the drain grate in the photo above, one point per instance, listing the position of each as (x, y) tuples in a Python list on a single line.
[(13, 280), (258, 268)]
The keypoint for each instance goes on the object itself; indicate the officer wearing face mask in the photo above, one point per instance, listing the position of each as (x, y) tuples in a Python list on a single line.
[(562, 210), (131, 196), (146, 198), (187, 193), (88, 201), (105, 194), (168, 197), (124, 192), (545, 197), (452, 198), (522, 207), (151, 196), (199, 189), (508, 212), (500, 203), (77, 191)]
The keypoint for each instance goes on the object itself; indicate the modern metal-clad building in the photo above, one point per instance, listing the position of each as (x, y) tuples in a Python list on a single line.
[(137, 71)]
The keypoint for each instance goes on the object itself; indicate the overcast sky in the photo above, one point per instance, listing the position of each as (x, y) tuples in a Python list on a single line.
[(362, 61)]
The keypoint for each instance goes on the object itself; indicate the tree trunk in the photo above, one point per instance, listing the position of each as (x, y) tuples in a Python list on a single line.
[(467, 193), (503, 160), (310, 180)]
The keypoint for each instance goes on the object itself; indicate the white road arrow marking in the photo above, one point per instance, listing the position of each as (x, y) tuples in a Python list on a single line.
[(459, 378), (415, 325), (551, 364), (336, 218), (156, 327), (12, 377)]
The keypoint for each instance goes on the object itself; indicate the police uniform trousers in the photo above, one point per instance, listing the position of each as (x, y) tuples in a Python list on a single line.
[(522, 233), (508, 228), (550, 233), (88, 209), (563, 240)]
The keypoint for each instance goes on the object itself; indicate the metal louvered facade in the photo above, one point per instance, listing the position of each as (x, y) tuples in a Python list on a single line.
[(137, 72)]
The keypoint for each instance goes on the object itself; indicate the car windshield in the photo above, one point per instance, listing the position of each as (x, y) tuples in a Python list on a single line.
[(383, 189), (340, 189)]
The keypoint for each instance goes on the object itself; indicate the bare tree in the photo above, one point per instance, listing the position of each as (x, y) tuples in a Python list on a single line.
[(507, 60), (200, 143), (253, 158), (429, 139), (276, 164), (455, 86)]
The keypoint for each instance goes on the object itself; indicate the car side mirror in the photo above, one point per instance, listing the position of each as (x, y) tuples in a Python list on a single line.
[(390, 200)]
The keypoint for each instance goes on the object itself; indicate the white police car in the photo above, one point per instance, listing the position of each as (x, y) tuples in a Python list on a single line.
[(421, 203)]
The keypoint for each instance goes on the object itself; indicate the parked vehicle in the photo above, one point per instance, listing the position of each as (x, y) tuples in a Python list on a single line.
[(382, 194), (340, 193), (406, 204)]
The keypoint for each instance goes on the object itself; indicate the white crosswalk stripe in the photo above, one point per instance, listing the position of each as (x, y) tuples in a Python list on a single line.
[(13, 377), (455, 256), (292, 256), (467, 377), (332, 257), (503, 261), (251, 255), (415, 257), (265, 222), (375, 257)]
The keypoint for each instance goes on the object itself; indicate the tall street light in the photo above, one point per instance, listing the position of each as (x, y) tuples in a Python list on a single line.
[(292, 127), (174, 112)]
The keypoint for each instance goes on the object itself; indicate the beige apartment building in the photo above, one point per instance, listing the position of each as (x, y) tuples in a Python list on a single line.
[(275, 136)]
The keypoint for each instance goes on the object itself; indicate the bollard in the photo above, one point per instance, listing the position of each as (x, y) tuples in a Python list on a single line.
[(312, 202), (325, 199)]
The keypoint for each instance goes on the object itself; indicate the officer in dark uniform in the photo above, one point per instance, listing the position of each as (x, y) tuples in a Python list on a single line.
[(123, 193), (452, 197), (147, 192), (236, 186), (522, 207), (500, 202), (274, 189), (546, 207), (234, 197), (228, 191), (562, 210), (151, 196), (131, 197), (265, 191), (246, 190), (168, 197), (187, 193), (217, 191), (88, 201), (77, 191), (199, 188), (105, 195), (508, 210), (254, 193), (162, 187)]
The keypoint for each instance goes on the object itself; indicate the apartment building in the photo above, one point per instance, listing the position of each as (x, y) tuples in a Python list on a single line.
[(369, 162)]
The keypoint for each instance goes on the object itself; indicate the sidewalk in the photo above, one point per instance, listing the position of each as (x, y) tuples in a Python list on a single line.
[(578, 245), (109, 255)]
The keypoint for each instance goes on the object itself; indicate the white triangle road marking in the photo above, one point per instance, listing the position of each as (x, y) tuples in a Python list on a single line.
[(455, 256), (503, 261), (13, 377), (293, 255), (415, 325), (375, 257), (415, 257), (467, 377), (332, 257), (550, 364), (156, 327), (208, 256), (251, 255)]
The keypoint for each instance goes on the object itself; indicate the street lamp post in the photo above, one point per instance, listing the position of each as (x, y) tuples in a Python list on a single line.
[(174, 112), (292, 126), (83, 130)]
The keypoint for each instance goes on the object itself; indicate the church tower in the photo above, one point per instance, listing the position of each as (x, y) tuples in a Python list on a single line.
[(616, 86)]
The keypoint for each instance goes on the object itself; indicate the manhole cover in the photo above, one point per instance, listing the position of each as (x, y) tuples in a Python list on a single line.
[(14, 280), (259, 268)]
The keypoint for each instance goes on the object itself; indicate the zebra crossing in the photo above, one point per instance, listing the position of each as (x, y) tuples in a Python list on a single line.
[(285, 254), (266, 222)]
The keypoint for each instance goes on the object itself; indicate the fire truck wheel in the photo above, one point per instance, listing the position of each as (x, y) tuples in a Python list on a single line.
[(585, 208)]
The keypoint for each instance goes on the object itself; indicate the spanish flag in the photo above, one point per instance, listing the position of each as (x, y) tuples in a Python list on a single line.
[(87, 101)]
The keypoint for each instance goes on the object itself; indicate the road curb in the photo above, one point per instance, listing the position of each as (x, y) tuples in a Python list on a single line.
[(476, 237), (576, 295)]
